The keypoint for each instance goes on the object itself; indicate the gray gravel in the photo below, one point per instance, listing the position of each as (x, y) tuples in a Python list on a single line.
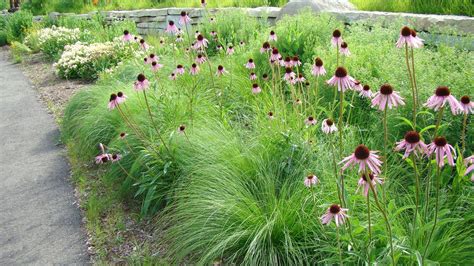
[(39, 221)]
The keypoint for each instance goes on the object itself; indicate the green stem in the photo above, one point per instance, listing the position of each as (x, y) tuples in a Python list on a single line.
[(370, 229), (339, 246), (154, 125), (438, 176), (414, 77), (412, 86), (463, 134), (417, 191)]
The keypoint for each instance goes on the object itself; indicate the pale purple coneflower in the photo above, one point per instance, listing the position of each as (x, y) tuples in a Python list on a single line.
[(181, 129), (328, 126), (221, 71), (201, 42), (363, 157), (230, 50), (121, 97), (344, 49), (272, 37), (366, 92), (250, 64), (113, 102), (310, 121), (341, 80), (127, 36), (418, 40), (143, 45), (115, 157), (364, 182), (295, 60), (213, 33), (469, 161), (253, 76), (318, 68), (443, 150), (336, 39), (286, 62), (289, 74), (103, 158), (265, 77), (152, 58), (358, 86), (467, 105), (407, 38), (300, 78), (334, 212), (179, 38), (172, 76), (265, 47), (179, 70), (171, 28), (203, 3), (412, 143), (194, 69), (155, 66), (275, 56), (123, 135), (200, 59), (256, 89), (298, 102), (387, 97), (141, 83), (311, 180), (197, 33), (184, 18), (270, 115), (219, 47), (442, 95)]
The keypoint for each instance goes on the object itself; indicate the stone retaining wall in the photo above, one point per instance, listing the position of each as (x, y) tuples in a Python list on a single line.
[(155, 20)]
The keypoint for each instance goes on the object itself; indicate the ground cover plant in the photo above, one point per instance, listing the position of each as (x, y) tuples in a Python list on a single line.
[(255, 145)]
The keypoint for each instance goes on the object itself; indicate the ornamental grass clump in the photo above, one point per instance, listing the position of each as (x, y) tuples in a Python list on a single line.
[(257, 156)]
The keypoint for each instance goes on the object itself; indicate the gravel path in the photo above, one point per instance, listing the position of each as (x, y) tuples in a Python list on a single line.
[(39, 222)]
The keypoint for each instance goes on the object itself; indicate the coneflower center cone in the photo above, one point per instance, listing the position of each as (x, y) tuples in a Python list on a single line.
[(412, 137), (442, 91), (362, 152), (341, 72), (440, 141), (386, 89)]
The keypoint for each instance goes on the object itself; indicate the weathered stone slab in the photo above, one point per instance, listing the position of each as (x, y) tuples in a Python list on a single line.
[(149, 12), (296, 6)]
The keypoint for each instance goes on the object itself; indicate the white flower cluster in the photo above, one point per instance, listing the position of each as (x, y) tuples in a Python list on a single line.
[(59, 34)]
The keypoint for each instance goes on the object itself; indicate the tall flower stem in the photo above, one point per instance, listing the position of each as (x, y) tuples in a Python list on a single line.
[(385, 145), (154, 124), (341, 110), (414, 76), (335, 172), (417, 191), (339, 246), (463, 133), (387, 222), (412, 86), (191, 98), (438, 176), (370, 226), (210, 67), (337, 54)]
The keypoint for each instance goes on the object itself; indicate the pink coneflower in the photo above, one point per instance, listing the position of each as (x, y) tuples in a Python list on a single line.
[(363, 182), (275, 56), (310, 121), (366, 92), (121, 97), (443, 149), (418, 40), (179, 70), (358, 86), (219, 47), (287, 62), (300, 78), (179, 38), (387, 97), (115, 158), (334, 212), (200, 42), (127, 36), (103, 158), (270, 115), (272, 37), (197, 33), (172, 76), (363, 157), (143, 45), (152, 58), (213, 33), (123, 135), (318, 68), (341, 79), (256, 89), (221, 71), (182, 129), (344, 49), (184, 19), (230, 50), (145, 60), (203, 3), (311, 180), (155, 66), (295, 60), (412, 143), (265, 77), (171, 28), (265, 47), (250, 64), (253, 76), (289, 74), (292, 80), (328, 126), (141, 83), (336, 39), (298, 102), (200, 59), (467, 105), (113, 102), (469, 161), (194, 69), (407, 38), (441, 96)]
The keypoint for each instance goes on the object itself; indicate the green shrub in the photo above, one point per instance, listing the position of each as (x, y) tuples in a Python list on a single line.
[(18, 25), (52, 41), (18, 51), (3, 38)]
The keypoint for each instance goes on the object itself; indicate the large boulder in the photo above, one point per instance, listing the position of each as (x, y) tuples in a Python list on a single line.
[(295, 6)]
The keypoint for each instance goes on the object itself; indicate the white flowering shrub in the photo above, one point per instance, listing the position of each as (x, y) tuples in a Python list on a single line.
[(81, 60), (51, 41)]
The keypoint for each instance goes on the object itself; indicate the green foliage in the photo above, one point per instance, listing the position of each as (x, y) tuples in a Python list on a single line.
[(231, 188), (18, 51), (448, 7), (3, 38), (18, 25)]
